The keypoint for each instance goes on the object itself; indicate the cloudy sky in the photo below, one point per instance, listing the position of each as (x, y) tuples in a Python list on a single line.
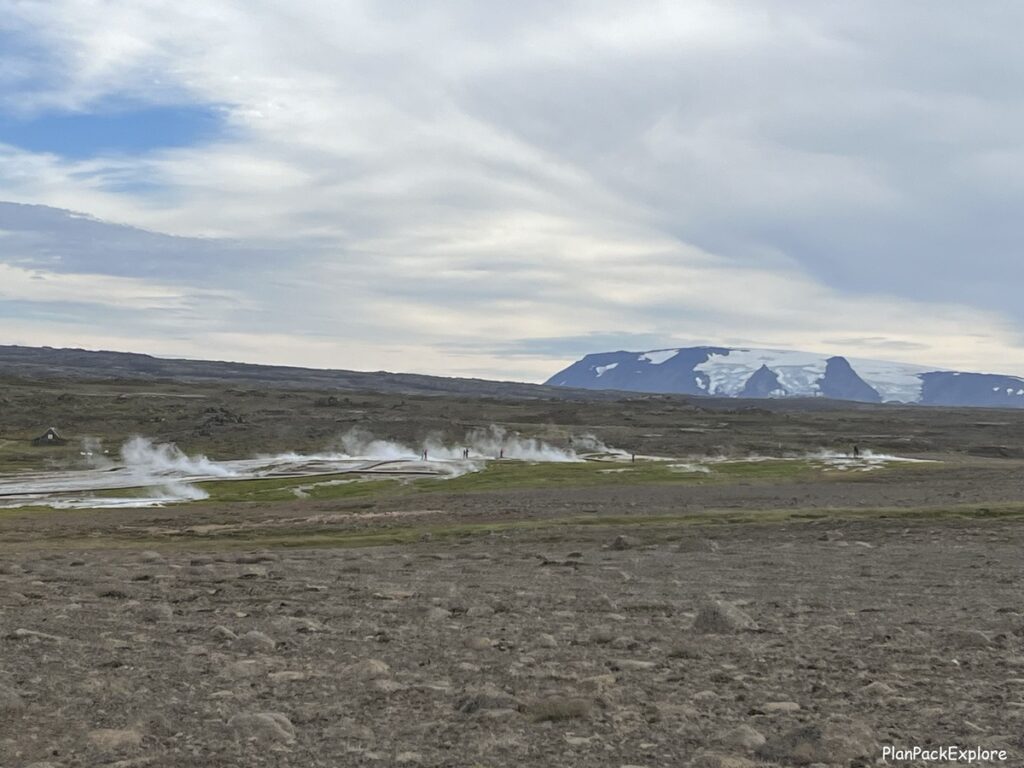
[(495, 189)]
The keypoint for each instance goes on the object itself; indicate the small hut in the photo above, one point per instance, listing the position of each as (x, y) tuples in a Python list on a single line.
[(49, 437)]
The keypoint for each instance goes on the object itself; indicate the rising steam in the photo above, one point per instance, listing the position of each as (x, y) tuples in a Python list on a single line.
[(144, 457), (490, 443), (168, 469), (171, 475)]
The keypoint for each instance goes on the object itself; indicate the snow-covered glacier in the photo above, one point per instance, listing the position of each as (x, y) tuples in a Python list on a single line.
[(750, 372)]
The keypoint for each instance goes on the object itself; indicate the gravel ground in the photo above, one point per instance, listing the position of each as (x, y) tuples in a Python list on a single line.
[(755, 644)]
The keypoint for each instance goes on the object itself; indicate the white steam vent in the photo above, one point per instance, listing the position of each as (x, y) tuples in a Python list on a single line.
[(167, 474)]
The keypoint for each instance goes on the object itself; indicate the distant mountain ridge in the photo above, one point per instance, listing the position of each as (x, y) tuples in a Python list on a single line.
[(46, 363), (769, 373)]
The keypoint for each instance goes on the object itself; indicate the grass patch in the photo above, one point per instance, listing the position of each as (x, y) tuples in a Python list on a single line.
[(661, 528), (335, 486), (505, 475), (502, 475), (496, 476), (23, 511), (19, 455)]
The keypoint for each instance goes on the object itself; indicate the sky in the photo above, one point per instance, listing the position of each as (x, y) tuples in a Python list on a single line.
[(496, 189)]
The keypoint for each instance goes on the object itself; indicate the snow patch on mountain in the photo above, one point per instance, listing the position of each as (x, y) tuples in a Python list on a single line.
[(893, 381), (658, 356), (798, 372), (757, 373)]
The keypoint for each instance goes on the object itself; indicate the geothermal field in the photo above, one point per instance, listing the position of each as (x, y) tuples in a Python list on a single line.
[(198, 574)]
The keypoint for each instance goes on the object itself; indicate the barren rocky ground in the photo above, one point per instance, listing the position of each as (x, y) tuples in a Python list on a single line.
[(775, 621), (779, 644)]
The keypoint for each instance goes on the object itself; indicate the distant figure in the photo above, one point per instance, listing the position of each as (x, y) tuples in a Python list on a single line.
[(465, 453), (632, 458), (856, 452), (424, 454), (501, 454)]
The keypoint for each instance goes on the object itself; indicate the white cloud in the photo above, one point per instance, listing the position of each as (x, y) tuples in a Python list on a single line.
[(452, 176), (35, 285)]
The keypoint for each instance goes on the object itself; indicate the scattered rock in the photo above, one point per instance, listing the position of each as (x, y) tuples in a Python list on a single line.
[(555, 708), (719, 618), (368, 669), (387, 685), (704, 698), (716, 760), (263, 726), (156, 612), (30, 634), (222, 633), (498, 715), (777, 707), (393, 594), (438, 614), (112, 591), (255, 641), (349, 730), (620, 543), (698, 545), (115, 740), (299, 624), (155, 723), (253, 572), (967, 639), (602, 635), (831, 743), (687, 649), (287, 676), (635, 665), (973, 727), (253, 558), (598, 682), (10, 702), (476, 643), (544, 640), (742, 737), (242, 670), (878, 688), (488, 697), (405, 758)]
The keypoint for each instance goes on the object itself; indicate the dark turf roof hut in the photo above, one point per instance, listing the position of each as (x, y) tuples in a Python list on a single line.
[(50, 437)]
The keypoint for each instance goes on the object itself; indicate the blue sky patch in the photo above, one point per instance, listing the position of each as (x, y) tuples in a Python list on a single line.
[(125, 130)]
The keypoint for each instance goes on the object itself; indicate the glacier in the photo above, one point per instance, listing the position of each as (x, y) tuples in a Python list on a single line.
[(748, 372)]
